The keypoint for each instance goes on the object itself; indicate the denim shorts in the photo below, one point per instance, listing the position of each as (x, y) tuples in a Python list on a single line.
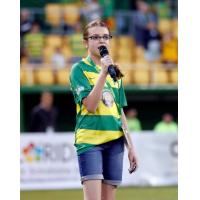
[(104, 162)]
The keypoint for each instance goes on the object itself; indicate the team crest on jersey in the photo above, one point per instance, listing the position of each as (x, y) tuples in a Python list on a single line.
[(107, 98)]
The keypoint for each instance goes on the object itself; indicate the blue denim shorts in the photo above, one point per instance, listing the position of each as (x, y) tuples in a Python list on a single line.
[(104, 162)]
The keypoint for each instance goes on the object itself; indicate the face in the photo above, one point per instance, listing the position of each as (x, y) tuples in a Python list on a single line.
[(35, 29), (94, 42), (47, 99), (167, 118), (24, 14), (131, 113)]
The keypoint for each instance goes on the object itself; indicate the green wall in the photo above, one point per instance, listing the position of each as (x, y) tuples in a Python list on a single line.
[(151, 103)]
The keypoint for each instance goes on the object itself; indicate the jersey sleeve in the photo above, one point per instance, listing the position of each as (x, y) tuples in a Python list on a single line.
[(79, 83)]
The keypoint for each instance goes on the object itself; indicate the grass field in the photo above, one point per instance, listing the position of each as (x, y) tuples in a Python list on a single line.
[(129, 193)]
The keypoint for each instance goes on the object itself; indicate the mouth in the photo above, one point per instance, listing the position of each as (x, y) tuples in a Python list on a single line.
[(102, 44)]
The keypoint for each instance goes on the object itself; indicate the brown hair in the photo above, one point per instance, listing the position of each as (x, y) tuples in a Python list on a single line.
[(94, 23), (97, 23)]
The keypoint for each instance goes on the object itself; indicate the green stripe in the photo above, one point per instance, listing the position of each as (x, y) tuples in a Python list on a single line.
[(81, 148), (116, 93), (99, 122), (88, 68), (120, 96)]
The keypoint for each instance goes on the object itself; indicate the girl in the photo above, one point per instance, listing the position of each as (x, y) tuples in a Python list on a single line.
[(99, 102)]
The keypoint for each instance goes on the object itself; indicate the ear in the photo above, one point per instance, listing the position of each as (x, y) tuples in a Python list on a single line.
[(85, 43)]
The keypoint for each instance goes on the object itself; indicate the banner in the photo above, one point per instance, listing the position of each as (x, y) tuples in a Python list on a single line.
[(157, 160), (50, 161)]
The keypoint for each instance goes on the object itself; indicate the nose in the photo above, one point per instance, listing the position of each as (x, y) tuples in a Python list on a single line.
[(101, 39)]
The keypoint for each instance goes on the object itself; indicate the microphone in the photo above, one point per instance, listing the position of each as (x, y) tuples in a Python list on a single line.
[(111, 70)]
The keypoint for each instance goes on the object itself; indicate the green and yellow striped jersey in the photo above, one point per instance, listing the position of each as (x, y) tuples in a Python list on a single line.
[(34, 44), (105, 124)]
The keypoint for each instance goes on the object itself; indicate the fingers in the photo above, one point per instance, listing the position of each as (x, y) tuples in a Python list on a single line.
[(107, 60), (133, 167), (133, 164), (117, 65), (133, 161)]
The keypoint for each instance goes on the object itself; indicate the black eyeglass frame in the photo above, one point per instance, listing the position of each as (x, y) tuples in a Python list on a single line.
[(98, 37)]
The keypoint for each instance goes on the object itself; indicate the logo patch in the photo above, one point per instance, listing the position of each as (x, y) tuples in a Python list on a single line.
[(107, 98)]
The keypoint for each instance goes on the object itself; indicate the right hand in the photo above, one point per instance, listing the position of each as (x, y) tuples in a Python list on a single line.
[(106, 61)]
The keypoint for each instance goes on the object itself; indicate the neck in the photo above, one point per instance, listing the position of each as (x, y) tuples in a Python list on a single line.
[(44, 106), (96, 59)]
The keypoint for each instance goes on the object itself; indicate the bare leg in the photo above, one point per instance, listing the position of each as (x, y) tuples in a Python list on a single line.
[(108, 192), (92, 189)]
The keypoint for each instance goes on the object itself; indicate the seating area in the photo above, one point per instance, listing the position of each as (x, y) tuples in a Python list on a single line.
[(57, 13), (137, 75), (130, 57)]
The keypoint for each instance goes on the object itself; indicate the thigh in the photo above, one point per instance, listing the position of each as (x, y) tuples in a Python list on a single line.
[(91, 164), (113, 162)]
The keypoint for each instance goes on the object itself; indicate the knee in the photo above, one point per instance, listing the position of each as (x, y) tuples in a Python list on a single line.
[(108, 192)]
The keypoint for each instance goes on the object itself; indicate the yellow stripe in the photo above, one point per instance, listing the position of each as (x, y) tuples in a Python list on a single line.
[(86, 61), (112, 83), (96, 137), (102, 110), (77, 108), (92, 74), (92, 77)]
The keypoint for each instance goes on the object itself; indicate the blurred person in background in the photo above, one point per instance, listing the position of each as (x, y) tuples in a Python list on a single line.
[(33, 44), (140, 22), (44, 115), (169, 50), (25, 27), (108, 13), (153, 37), (64, 28), (107, 7), (25, 22), (76, 44), (91, 10), (167, 125), (133, 122), (169, 55), (58, 60), (163, 9), (98, 134), (23, 56)]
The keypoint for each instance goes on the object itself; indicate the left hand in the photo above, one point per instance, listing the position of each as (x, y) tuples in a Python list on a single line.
[(132, 160)]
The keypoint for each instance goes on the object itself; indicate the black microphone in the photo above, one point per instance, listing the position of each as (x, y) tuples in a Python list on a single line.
[(111, 70)]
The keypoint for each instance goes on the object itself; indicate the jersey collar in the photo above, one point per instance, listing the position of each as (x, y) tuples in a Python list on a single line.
[(90, 62)]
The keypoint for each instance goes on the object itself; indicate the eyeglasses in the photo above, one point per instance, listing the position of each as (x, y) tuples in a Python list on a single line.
[(98, 37)]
